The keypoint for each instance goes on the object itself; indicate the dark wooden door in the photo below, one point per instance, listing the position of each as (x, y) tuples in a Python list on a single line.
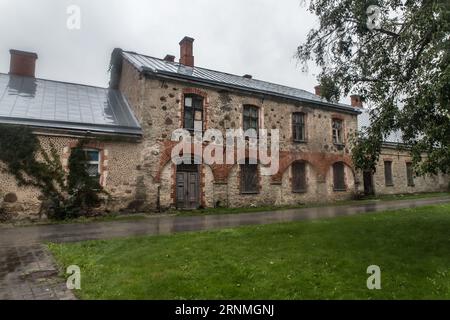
[(187, 189), (368, 183)]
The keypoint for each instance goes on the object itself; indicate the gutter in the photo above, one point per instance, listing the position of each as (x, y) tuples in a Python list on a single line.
[(76, 128)]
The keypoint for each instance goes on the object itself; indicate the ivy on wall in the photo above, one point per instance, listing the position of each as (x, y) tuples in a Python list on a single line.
[(66, 195)]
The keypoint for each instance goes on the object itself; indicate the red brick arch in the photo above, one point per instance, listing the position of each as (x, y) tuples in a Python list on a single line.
[(320, 161)]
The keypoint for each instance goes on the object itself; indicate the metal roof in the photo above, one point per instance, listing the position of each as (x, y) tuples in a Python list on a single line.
[(364, 122), (68, 106), (176, 70)]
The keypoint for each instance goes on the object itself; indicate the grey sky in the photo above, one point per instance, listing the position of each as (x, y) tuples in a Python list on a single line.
[(258, 37)]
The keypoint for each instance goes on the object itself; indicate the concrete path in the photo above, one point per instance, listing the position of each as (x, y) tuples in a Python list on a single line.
[(29, 273), (27, 270)]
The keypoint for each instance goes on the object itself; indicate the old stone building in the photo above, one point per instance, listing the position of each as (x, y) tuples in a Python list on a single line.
[(149, 98)]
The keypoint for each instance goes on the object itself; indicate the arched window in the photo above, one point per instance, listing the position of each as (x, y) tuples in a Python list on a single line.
[(339, 176), (193, 112)]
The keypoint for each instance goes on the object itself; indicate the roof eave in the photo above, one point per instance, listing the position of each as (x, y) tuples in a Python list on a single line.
[(78, 129)]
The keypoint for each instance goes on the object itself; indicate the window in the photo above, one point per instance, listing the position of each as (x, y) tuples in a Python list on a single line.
[(410, 174), (299, 177), (298, 127), (388, 173), (92, 162), (251, 118), (337, 131), (193, 112), (249, 178), (339, 176)]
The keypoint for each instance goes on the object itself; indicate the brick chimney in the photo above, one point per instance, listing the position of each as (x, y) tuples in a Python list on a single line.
[(187, 51), (22, 63), (318, 90), (356, 101), (169, 58)]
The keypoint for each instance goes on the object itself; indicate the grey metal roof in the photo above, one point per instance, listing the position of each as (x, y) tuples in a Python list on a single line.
[(364, 122), (61, 105), (173, 69)]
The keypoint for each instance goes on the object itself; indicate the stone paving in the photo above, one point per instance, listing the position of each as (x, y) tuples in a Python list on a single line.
[(28, 271)]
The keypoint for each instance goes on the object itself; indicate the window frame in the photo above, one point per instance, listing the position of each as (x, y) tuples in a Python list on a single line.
[(243, 175), (410, 174), (388, 176), (92, 162), (294, 186), (339, 132), (301, 126), (250, 117), (337, 186), (192, 110)]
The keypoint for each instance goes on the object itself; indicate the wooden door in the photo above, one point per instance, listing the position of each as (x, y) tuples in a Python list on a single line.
[(187, 188)]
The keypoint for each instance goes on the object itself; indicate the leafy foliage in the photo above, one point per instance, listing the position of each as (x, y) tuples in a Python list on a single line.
[(83, 189), (400, 66), (66, 196)]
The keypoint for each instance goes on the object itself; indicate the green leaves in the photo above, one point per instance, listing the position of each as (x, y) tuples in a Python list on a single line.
[(401, 68)]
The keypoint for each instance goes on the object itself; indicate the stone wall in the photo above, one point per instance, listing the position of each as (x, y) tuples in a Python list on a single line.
[(120, 173), (158, 104), (399, 159)]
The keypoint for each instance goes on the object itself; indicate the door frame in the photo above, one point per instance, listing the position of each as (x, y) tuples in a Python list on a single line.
[(186, 183)]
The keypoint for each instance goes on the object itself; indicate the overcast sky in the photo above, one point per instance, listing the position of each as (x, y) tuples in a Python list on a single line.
[(257, 37)]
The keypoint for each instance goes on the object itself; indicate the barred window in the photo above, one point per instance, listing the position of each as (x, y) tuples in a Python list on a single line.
[(337, 131), (299, 177), (388, 173), (251, 118), (193, 112), (249, 178), (339, 176), (298, 127)]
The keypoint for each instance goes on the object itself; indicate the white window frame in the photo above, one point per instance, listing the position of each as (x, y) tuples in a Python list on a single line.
[(338, 132), (98, 162)]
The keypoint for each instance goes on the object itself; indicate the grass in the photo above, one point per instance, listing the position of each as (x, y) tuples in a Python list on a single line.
[(321, 259)]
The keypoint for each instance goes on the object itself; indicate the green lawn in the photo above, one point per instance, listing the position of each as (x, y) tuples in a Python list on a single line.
[(321, 259)]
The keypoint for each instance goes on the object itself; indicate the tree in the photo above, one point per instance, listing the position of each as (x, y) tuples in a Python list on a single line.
[(395, 54)]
